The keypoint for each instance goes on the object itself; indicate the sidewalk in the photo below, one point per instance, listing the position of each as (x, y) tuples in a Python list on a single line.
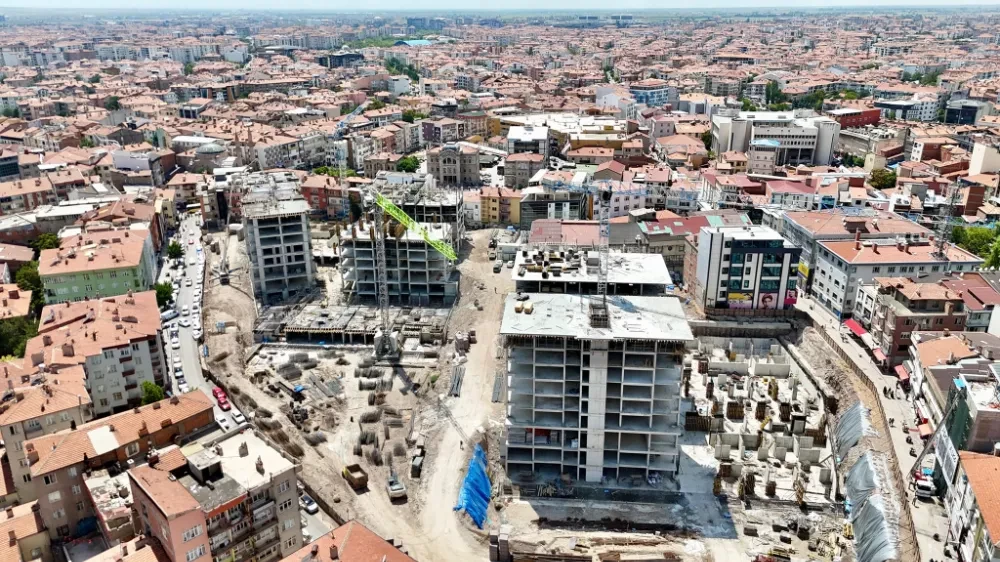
[(928, 517)]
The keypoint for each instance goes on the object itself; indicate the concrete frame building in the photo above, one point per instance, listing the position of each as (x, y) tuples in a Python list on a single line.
[(746, 267), (802, 137), (419, 196), (575, 271), (276, 223), (594, 390)]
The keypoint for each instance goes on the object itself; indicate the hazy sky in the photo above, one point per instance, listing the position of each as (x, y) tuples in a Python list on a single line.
[(444, 5)]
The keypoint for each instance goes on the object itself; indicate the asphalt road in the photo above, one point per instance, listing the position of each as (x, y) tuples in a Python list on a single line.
[(185, 296)]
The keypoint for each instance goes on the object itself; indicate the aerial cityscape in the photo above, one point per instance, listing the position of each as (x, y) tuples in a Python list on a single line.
[(531, 283)]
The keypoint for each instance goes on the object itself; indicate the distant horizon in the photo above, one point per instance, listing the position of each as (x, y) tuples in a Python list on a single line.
[(512, 6)]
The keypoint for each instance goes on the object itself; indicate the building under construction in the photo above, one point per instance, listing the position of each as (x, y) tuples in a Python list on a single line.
[(593, 387), (416, 273), (419, 197)]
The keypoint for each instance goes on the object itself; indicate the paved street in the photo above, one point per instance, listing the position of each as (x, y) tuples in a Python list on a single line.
[(928, 517), (185, 296)]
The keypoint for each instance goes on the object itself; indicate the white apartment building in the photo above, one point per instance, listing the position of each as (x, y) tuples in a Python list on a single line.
[(594, 389), (842, 265), (528, 139), (117, 340), (746, 267), (276, 223), (801, 136)]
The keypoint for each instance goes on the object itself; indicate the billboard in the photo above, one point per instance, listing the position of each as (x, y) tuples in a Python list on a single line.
[(767, 300), (740, 300), (791, 297)]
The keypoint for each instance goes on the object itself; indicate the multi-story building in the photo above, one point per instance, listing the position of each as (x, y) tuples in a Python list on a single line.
[(801, 136), (276, 223), (326, 194), (419, 196), (37, 404), (445, 129), (842, 265), (416, 273), (454, 164), (351, 537), (653, 92), (98, 263), (542, 202), (892, 308), (500, 206), (594, 386), (528, 139), (521, 167), (746, 267), (117, 341), (806, 229), (25, 195), (59, 462), (236, 500)]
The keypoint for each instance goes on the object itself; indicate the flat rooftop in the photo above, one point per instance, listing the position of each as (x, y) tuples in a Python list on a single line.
[(440, 231), (356, 319), (568, 316), (275, 207), (628, 269)]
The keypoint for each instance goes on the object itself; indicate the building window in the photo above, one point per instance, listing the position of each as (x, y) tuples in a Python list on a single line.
[(116, 396), (285, 505), (290, 543), (132, 449), (192, 533), (288, 524), (50, 479), (55, 496), (59, 514), (76, 489), (80, 506), (284, 486), (196, 553)]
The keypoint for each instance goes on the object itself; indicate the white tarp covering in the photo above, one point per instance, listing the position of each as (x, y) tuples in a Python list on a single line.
[(851, 427), (862, 480), (873, 538)]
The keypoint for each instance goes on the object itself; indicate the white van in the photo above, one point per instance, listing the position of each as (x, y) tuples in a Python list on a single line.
[(925, 488), (168, 315)]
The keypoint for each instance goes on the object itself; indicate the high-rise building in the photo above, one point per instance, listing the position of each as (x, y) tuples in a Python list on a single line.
[(746, 267), (276, 223)]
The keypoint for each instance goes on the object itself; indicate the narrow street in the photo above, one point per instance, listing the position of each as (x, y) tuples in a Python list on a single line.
[(929, 517)]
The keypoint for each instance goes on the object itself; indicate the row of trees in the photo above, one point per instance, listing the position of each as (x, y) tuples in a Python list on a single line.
[(396, 66)]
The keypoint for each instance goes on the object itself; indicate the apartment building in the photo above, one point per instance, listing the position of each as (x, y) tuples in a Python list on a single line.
[(98, 263), (653, 92), (416, 273), (594, 391), (34, 404), (500, 206), (892, 308), (746, 267), (26, 534), (276, 223), (59, 461), (806, 229), (521, 167), (348, 539), (236, 500), (326, 194), (419, 196), (842, 265), (117, 341), (442, 130), (801, 137), (454, 164), (18, 196)]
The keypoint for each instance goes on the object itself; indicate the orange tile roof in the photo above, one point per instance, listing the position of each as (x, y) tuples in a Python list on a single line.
[(355, 543), (67, 448), (24, 522), (94, 251), (848, 251), (14, 302), (941, 350), (983, 473), (169, 495), (62, 392)]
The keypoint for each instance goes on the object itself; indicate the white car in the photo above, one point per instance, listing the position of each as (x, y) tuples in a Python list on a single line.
[(177, 361), (238, 417), (179, 374), (185, 323), (175, 343), (196, 334), (223, 422), (187, 282), (183, 388), (184, 310)]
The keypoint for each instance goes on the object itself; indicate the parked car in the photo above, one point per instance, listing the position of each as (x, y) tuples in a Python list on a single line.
[(238, 417), (308, 504), (224, 404), (223, 422)]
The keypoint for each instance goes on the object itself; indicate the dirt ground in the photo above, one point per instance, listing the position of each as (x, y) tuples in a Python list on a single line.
[(426, 523)]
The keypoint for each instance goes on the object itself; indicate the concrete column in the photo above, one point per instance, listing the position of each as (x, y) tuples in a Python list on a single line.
[(596, 404)]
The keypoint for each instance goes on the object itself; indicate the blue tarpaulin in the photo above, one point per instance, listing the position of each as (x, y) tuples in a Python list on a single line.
[(474, 496)]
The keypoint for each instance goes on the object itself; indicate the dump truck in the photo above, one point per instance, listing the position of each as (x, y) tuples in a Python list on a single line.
[(356, 476), (395, 488)]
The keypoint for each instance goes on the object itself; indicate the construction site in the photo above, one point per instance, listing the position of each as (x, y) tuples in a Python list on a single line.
[(592, 422)]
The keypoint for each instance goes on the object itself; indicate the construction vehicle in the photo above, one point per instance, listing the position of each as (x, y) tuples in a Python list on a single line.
[(395, 487), (355, 476)]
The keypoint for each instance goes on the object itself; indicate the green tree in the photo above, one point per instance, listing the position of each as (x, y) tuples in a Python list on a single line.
[(931, 78), (411, 115), (164, 294), (976, 239), (375, 104), (95, 79), (86, 143), (27, 279), (15, 333), (748, 104), (849, 94), (175, 250), (151, 392), (45, 241), (707, 139), (882, 179), (993, 260), (356, 211), (408, 164), (112, 103), (11, 112), (773, 94), (188, 68)]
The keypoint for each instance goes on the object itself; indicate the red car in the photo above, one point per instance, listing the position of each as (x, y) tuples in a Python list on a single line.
[(224, 403), (218, 393)]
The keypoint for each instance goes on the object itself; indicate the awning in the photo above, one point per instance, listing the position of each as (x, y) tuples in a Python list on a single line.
[(925, 430), (902, 373), (854, 327), (878, 354)]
